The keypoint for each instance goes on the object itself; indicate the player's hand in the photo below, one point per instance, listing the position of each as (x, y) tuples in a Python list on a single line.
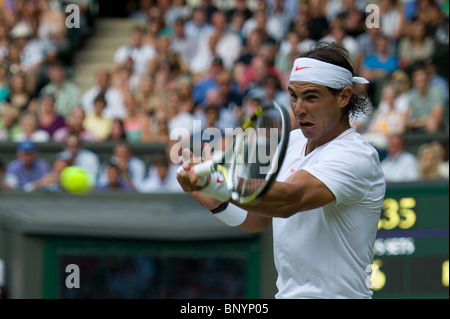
[(186, 177)]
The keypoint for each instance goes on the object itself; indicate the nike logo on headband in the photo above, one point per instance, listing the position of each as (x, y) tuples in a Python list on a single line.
[(303, 67)]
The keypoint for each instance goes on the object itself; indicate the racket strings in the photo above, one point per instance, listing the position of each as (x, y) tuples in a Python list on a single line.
[(254, 153)]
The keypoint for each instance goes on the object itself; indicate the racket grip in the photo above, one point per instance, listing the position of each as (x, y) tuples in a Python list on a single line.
[(204, 169)]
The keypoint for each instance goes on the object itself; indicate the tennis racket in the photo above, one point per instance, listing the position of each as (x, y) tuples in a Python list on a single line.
[(251, 164)]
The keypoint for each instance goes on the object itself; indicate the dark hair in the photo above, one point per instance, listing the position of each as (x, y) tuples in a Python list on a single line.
[(335, 54)]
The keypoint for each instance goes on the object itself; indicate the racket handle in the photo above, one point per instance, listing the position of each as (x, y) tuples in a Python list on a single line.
[(204, 169)]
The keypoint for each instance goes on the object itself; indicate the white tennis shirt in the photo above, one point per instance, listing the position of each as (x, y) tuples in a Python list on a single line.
[(325, 252)]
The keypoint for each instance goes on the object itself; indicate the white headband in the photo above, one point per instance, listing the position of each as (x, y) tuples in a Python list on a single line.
[(323, 73)]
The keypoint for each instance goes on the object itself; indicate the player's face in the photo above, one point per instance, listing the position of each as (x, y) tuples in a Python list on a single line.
[(318, 112)]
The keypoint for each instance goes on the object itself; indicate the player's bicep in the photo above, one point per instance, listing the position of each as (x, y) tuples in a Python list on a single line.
[(313, 193)]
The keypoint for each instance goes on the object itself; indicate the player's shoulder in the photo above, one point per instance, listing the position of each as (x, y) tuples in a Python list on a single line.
[(354, 145)]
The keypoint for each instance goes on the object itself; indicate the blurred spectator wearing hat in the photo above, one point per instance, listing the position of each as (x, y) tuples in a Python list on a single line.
[(27, 168), (51, 182), (67, 94), (31, 52)]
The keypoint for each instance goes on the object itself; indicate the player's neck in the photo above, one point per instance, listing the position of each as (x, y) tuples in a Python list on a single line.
[(315, 143)]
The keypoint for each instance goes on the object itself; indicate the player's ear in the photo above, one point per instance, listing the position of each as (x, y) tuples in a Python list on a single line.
[(345, 96)]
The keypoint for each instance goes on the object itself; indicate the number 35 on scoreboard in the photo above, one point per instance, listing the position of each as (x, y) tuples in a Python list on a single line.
[(398, 213)]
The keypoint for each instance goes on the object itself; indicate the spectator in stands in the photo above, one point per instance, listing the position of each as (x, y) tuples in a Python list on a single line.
[(4, 40), (392, 19), (367, 45), (75, 124), (219, 42), (4, 80), (135, 55), (279, 18), (114, 180), (154, 27), (258, 23), (208, 81), (30, 130), (443, 169), (429, 157), (436, 79), (241, 8), (164, 54), (178, 117), (145, 94), (80, 156), (387, 119), (399, 164), (19, 97), (416, 45), (52, 27), (318, 23), (160, 177), (379, 64), (428, 12), (9, 126), (95, 122), (142, 12), (338, 34), (257, 71), (117, 131), (66, 93), (31, 53), (198, 27), (131, 168), (178, 10), (135, 120), (271, 92), (50, 182), (48, 119), (402, 84), (157, 130), (114, 98), (426, 104), (27, 168), (181, 44)]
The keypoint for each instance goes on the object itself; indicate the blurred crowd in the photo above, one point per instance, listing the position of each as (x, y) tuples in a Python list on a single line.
[(211, 62)]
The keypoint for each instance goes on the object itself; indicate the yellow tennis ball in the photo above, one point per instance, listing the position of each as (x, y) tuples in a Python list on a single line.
[(76, 180)]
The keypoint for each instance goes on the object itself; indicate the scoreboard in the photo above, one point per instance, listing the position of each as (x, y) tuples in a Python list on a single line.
[(411, 258)]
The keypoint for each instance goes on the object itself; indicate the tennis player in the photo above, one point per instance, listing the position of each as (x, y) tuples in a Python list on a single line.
[(326, 203)]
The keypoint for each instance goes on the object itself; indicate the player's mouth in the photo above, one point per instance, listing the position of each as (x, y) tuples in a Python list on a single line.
[(306, 125)]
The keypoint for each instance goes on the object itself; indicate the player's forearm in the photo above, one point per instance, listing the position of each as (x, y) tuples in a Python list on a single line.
[(282, 200)]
